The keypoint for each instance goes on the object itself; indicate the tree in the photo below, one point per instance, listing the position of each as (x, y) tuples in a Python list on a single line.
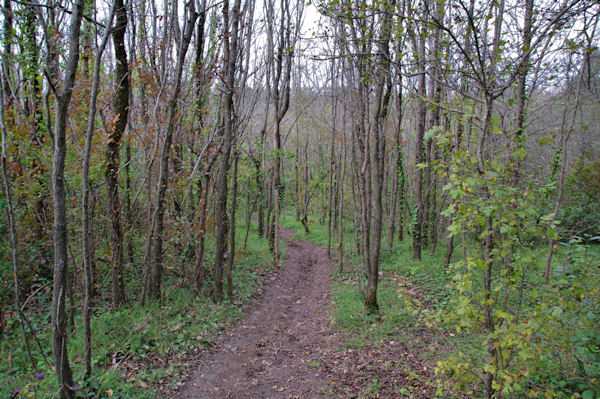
[(418, 43), (487, 205), (154, 268), (230, 51), (383, 91), (59, 319), (368, 135), (113, 147), (85, 188), (280, 60)]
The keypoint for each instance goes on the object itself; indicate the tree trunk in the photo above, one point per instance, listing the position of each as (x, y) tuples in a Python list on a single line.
[(249, 212), (58, 311), (230, 48), (382, 98), (199, 272), (521, 86), (231, 257), (420, 132), (306, 189), (425, 223), (87, 219), (436, 93), (262, 189), (7, 39), (280, 62), (332, 157), (277, 187), (32, 87), (398, 199), (113, 148), (128, 211), (341, 176)]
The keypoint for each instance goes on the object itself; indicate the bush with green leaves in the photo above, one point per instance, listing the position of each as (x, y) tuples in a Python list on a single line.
[(536, 339)]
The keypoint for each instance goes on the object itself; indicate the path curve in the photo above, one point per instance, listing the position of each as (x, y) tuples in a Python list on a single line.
[(273, 351)]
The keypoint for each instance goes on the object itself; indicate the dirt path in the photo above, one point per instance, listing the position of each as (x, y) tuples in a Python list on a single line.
[(273, 352)]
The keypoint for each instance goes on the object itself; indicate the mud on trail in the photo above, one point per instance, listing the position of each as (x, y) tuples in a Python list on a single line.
[(287, 348), (272, 353)]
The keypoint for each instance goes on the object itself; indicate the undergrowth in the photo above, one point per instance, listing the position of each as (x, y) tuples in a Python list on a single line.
[(132, 345), (415, 298)]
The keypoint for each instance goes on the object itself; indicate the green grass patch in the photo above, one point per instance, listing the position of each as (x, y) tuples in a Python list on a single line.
[(317, 232)]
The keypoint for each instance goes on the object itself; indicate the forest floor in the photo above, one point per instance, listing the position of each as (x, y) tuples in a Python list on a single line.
[(287, 347)]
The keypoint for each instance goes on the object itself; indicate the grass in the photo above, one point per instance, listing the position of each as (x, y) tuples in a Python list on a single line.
[(317, 232), (350, 314), (414, 294), (136, 337)]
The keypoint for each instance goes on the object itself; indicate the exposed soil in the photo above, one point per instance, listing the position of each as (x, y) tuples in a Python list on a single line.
[(268, 354), (287, 348)]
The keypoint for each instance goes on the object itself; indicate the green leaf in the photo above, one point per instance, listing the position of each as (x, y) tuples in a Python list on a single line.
[(589, 394), (431, 132)]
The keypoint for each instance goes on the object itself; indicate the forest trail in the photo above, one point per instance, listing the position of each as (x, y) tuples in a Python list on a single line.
[(272, 352)]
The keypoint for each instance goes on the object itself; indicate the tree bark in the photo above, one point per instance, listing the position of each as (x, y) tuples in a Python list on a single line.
[(7, 39), (113, 149), (332, 157), (58, 311), (521, 87), (420, 132), (430, 216), (231, 257), (199, 272), (306, 201), (382, 98), (398, 201), (86, 253), (230, 49)]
